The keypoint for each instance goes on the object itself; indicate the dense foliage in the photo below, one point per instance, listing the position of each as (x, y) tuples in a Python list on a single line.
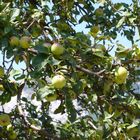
[(67, 50)]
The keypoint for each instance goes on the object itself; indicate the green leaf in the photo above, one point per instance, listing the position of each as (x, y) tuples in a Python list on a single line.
[(43, 92), (70, 108), (121, 51), (14, 14), (15, 73), (40, 61), (120, 23), (42, 49), (98, 52), (60, 109), (132, 19), (52, 61)]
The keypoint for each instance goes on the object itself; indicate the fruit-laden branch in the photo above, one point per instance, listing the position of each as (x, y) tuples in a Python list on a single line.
[(25, 120), (89, 72), (78, 67)]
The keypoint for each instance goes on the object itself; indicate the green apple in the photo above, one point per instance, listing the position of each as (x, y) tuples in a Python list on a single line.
[(51, 97), (4, 120), (1, 72), (14, 41), (99, 12), (121, 74), (95, 29), (12, 135), (58, 81), (57, 49), (25, 42)]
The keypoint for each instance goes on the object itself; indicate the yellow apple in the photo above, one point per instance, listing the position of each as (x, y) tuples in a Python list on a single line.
[(1, 87), (14, 41), (12, 135), (99, 12), (51, 97), (57, 49), (58, 81), (1, 72), (25, 42), (4, 120), (121, 74)]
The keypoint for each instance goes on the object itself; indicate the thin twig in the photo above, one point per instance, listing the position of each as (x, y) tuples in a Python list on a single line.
[(31, 24), (92, 125), (3, 59), (10, 67)]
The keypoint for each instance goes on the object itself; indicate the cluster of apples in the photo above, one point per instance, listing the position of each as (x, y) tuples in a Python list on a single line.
[(5, 122), (58, 81), (24, 42)]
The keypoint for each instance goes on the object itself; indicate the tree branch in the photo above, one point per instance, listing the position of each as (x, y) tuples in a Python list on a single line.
[(90, 72)]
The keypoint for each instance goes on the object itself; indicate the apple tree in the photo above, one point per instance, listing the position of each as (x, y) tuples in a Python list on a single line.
[(71, 52)]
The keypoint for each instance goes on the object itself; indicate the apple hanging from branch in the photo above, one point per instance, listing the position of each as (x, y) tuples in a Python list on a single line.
[(58, 81), (14, 41), (4, 120), (99, 12), (121, 74), (57, 49), (25, 42), (12, 135)]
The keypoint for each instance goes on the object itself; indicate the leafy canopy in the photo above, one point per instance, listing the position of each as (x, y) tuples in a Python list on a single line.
[(92, 54)]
